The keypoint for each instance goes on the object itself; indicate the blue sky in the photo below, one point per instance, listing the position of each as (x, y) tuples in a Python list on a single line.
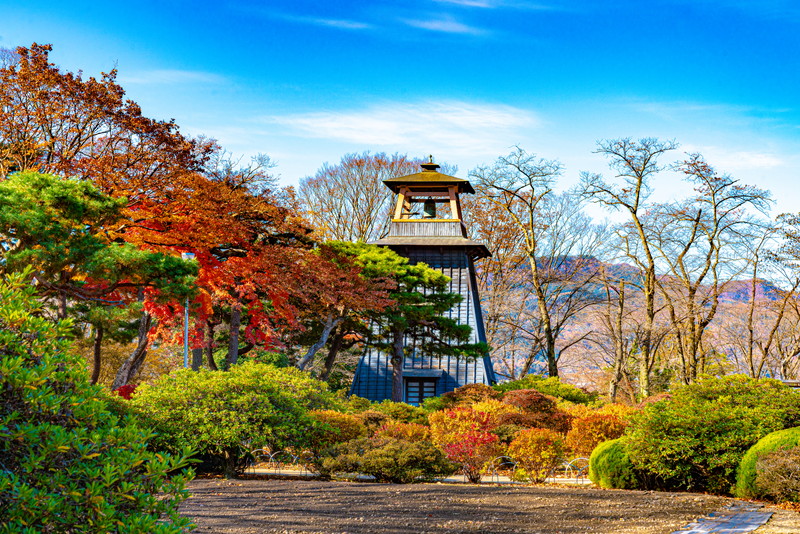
[(308, 81)]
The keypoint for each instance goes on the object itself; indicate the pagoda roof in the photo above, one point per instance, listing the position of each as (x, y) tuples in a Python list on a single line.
[(429, 176)]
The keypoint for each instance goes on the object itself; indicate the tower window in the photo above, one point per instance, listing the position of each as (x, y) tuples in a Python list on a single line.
[(419, 389)]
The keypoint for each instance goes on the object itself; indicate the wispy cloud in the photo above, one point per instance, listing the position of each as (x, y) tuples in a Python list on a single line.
[(469, 3), (494, 4), (171, 77), (452, 126), (445, 25), (342, 24)]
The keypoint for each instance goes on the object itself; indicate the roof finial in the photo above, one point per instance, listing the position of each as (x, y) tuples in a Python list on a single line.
[(430, 166)]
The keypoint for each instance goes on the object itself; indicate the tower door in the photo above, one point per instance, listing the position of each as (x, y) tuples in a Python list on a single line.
[(419, 389)]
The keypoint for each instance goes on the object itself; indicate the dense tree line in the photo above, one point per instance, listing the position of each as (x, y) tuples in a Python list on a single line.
[(105, 201)]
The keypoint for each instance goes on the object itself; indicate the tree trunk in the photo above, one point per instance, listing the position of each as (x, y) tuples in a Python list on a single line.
[(131, 366), (97, 352), (397, 366), (209, 346), (333, 352), (197, 359), (330, 324), (233, 343)]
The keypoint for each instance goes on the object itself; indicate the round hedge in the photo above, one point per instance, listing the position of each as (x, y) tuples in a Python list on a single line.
[(746, 474), (610, 466)]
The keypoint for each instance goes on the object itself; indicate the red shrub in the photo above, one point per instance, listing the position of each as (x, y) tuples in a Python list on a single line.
[(472, 451), (530, 400), (126, 391)]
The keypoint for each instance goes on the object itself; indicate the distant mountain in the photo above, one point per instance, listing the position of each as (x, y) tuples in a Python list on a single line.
[(741, 291)]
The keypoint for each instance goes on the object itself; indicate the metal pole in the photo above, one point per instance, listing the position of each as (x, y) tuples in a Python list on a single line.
[(186, 333), (186, 256)]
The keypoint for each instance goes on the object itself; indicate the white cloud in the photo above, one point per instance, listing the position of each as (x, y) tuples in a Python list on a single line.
[(342, 24), (445, 25), (451, 126), (498, 4), (469, 3), (170, 77)]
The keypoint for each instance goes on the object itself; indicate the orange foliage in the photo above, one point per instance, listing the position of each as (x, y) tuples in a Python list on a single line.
[(590, 431)]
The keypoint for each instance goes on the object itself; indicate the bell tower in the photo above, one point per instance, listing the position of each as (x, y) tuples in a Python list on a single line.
[(428, 226)]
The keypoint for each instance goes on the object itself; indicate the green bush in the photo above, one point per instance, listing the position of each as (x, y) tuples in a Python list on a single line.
[(391, 460), (402, 412), (550, 385), (67, 463), (696, 439), (223, 415), (746, 476), (610, 466)]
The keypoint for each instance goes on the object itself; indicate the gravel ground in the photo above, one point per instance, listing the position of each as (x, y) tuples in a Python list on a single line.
[(259, 505)]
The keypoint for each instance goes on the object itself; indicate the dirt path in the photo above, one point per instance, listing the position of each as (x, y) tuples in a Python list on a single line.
[(309, 506)]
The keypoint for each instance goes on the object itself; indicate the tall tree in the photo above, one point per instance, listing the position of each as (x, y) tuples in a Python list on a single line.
[(559, 242), (635, 164), (701, 244), (344, 281), (60, 123)]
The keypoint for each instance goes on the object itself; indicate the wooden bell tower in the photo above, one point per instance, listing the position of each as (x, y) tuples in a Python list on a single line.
[(427, 226)]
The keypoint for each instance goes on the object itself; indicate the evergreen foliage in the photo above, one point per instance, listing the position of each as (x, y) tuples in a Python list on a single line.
[(222, 416), (67, 462), (696, 440)]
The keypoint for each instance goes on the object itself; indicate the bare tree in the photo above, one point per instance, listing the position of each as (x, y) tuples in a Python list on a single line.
[(701, 245), (348, 201), (635, 164), (559, 242)]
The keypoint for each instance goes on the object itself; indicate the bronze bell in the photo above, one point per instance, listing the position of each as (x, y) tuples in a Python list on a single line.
[(429, 209)]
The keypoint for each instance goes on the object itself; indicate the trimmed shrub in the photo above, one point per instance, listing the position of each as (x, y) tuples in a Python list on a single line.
[(588, 432), (531, 400), (538, 411), (373, 420), (550, 386), (747, 484), (223, 415), (406, 431), (778, 475), (448, 425), (469, 394), (67, 462), (495, 408), (400, 411), (335, 427), (537, 452), (622, 411), (471, 451), (696, 439), (610, 466), (356, 404), (391, 460)]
